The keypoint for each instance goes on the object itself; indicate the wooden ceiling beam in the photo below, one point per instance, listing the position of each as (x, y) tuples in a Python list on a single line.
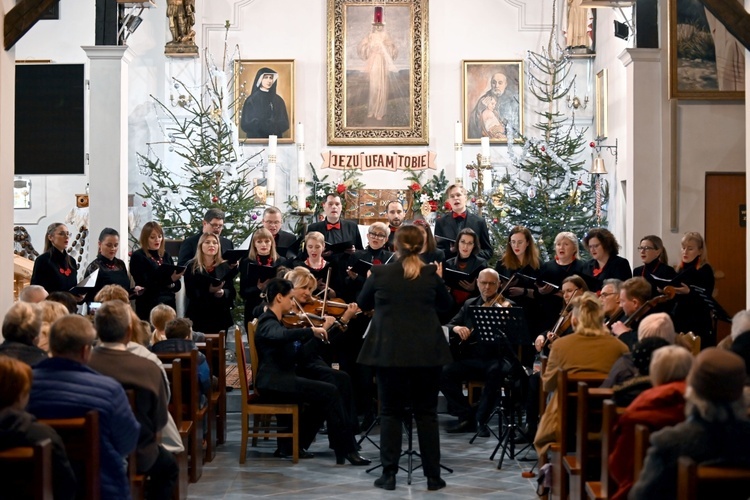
[(22, 17), (733, 15)]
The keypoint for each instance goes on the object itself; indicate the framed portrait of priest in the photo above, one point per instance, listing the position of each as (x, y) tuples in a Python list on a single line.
[(492, 100), (264, 94), (377, 72)]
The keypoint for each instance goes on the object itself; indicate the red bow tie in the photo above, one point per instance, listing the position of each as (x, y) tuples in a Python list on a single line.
[(459, 216), (393, 229), (330, 226)]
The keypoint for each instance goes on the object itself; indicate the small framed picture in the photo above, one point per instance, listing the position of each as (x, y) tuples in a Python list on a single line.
[(492, 100), (264, 93)]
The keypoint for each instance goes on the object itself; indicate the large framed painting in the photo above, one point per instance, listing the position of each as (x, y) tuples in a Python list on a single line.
[(705, 61), (377, 72), (492, 100), (264, 92)]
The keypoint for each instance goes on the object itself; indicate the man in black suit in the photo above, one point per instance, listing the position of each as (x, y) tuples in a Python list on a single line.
[(395, 213), (213, 222), (449, 225), (337, 230), (474, 360), (287, 244)]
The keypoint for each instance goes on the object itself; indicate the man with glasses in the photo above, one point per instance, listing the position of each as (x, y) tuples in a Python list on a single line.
[(213, 223), (610, 300), (633, 294), (473, 361), (287, 244)]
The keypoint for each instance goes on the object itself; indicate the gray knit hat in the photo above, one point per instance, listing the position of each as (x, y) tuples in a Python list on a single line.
[(718, 375)]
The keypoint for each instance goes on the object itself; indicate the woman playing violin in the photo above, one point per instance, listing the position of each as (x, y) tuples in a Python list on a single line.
[(605, 262), (279, 378), (572, 286), (467, 261)]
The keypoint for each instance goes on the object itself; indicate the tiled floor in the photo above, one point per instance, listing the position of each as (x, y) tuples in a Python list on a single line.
[(262, 475)]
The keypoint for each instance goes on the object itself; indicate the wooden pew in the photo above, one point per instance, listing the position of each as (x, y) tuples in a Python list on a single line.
[(604, 488), (218, 363), (137, 481), (640, 449), (567, 396), (81, 439), (207, 348), (174, 374), (696, 482), (191, 411), (26, 471)]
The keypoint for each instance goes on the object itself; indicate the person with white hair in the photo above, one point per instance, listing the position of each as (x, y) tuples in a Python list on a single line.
[(33, 294), (21, 327), (740, 325), (716, 427), (564, 263), (656, 408)]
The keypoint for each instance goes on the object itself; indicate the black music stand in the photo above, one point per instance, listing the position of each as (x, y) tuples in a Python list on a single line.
[(717, 312), (504, 327)]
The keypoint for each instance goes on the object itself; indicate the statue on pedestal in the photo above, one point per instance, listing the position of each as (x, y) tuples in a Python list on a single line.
[(578, 26), (181, 16)]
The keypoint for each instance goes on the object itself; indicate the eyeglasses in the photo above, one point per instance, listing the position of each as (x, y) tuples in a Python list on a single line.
[(378, 235), (643, 249), (607, 294), (595, 246)]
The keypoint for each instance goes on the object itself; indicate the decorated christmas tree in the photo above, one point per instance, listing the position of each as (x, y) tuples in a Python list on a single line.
[(213, 173), (548, 188)]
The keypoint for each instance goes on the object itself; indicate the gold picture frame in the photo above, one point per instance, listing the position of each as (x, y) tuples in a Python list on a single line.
[(378, 72), (249, 101), (699, 67), (602, 85), (485, 82)]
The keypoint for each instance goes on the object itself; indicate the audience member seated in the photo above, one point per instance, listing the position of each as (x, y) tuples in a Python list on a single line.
[(625, 393), (656, 408), (740, 325), (179, 333), (160, 316), (741, 346), (19, 428), (64, 387), (589, 349), (51, 312), (21, 327), (716, 428), (33, 294), (65, 298), (655, 325), (113, 322)]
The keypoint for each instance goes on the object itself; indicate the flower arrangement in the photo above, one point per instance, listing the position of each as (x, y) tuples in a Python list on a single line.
[(428, 196)]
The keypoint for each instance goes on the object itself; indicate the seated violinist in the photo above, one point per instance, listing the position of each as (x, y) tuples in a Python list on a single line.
[(474, 360), (281, 356), (634, 293), (572, 286), (609, 297)]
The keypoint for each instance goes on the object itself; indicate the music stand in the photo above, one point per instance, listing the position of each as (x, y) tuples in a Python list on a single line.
[(717, 312), (505, 327)]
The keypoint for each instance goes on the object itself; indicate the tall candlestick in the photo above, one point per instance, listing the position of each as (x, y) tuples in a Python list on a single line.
[(301, 193), (271, 179), (272, 141), (300, 133), (458, 148), (485, 147)]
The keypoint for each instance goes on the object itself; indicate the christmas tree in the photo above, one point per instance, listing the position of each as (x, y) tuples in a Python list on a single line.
[(213, 173), (548, 189)]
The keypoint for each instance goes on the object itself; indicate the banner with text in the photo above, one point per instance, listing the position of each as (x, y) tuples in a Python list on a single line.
[(378, 161)]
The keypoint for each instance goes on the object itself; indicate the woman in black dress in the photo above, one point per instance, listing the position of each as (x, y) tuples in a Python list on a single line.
[(262, 253), (696, 277), (655, 263), (566, 263), (54, 269), (375, 253), (430, 254), (112, 271), (522, 256), (159, 286), (408, 348), (605, 262), (209, 285), (466, 261), (315, 245)]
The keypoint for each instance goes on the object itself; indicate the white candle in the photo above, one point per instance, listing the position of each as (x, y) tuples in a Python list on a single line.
[(486, 147), (271, 178), (459, 139), (301, 194), (300, 133), (272, 140), (459, 133)]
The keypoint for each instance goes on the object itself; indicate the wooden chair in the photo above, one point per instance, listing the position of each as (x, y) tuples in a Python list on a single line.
[(642, 436), (218, 363), (472, 386), (690, 341), (567, 395), (26, 471), (711, 481), (174, 374), (191, 410), (251, 404), (81, 439), (587, 438), (207, 348), (137, 481), (605, 487)]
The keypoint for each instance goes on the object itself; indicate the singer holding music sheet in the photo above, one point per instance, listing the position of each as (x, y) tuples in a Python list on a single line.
[(158, 287), (407, 347)]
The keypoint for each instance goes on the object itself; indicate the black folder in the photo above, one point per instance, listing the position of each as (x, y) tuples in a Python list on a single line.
[(168, 269), (86, 284), (362, 267), (452, 277), (342, 247), (234, 255), (257, 272)]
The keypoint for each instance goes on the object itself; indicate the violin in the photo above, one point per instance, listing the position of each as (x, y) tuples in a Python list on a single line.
[(667, 294), (564, 321), (616, 316), (298, 320), (330, 307)]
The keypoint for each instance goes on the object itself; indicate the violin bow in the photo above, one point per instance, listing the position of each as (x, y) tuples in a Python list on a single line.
[(325, 293)]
